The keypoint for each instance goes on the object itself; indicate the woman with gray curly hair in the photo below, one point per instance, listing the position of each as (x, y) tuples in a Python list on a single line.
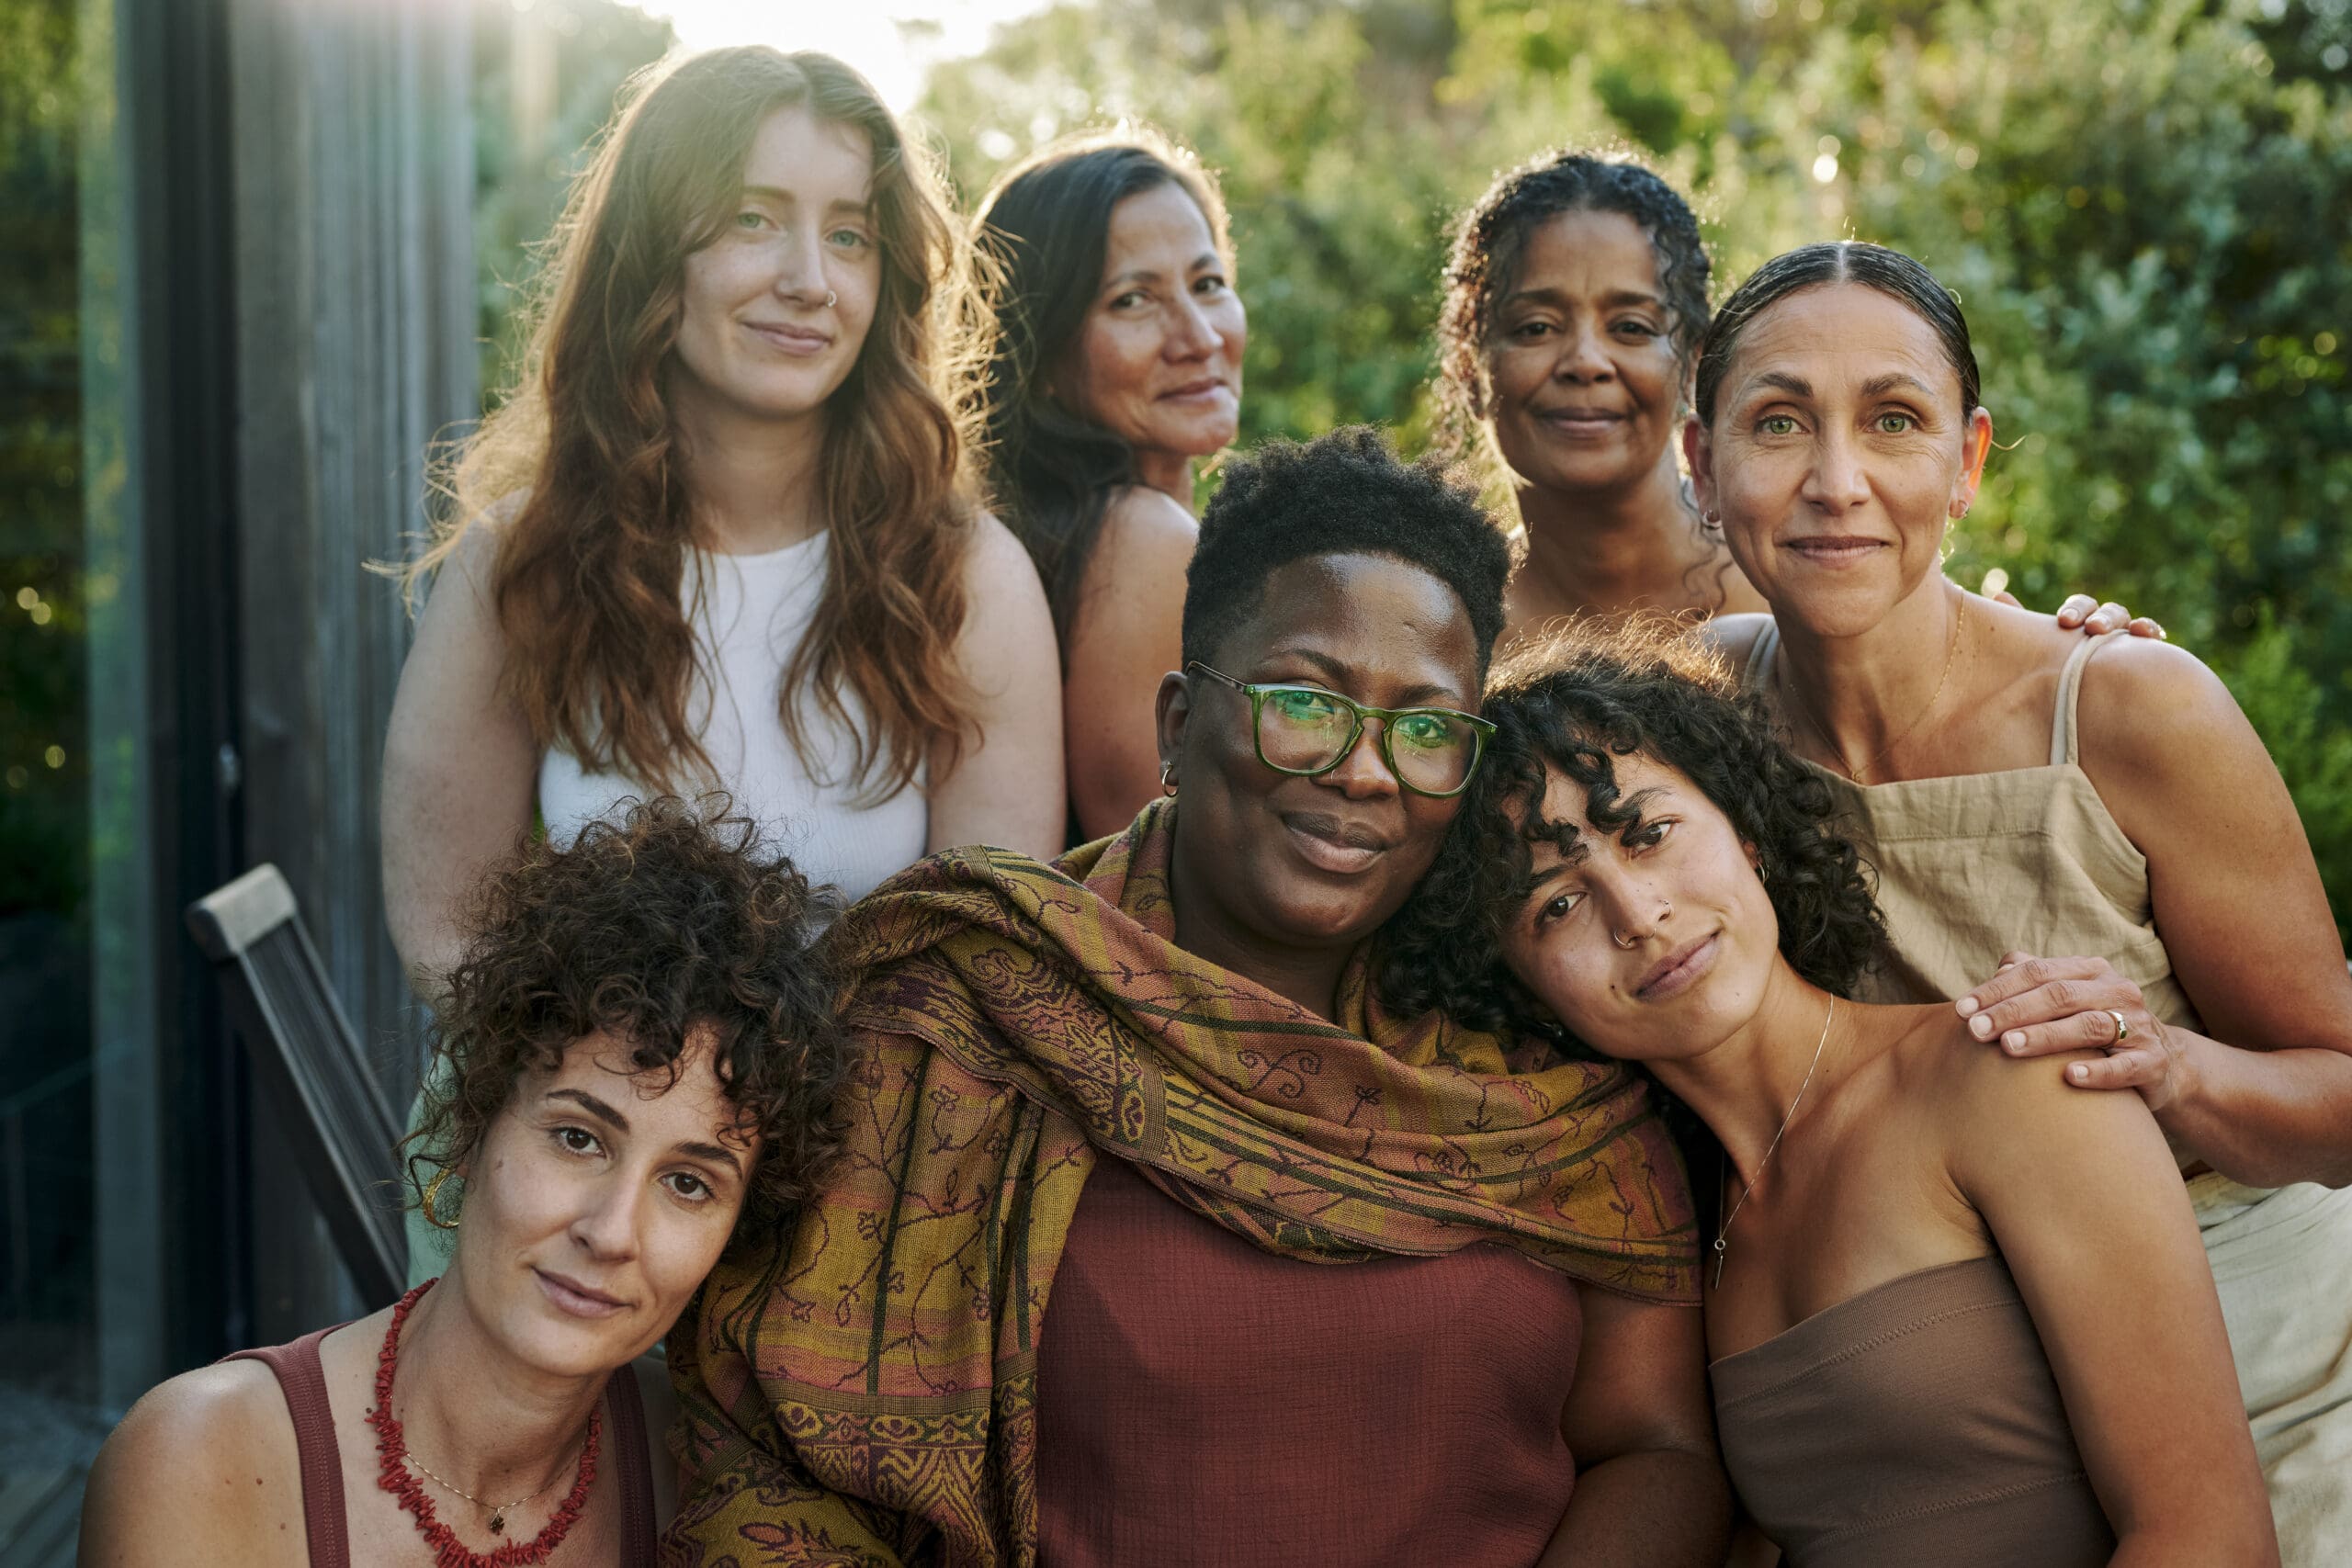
[(637, 1049)]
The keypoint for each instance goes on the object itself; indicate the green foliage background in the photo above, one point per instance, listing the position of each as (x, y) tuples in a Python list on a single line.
[(2145, 205)]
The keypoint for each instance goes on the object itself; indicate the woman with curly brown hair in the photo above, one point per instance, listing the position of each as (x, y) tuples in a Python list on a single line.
[(640, 1049), (1948, 1302), (720, 533)]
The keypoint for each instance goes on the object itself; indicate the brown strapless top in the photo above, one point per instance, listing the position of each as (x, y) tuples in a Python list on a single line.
[(1916, 1423)]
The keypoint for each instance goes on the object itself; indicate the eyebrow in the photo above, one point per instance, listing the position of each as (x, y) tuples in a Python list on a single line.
[(1427, 694), (1152, 274), (619, 1123), (778, 194), (1782, 380), (1894, 380), (1615, 297)]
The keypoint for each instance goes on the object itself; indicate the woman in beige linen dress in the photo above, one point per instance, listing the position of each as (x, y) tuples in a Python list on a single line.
[(2104, 803)]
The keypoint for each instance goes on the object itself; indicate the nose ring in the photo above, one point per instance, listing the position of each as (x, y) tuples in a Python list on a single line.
[(831, 299), (1665, 913), (1622, 941)]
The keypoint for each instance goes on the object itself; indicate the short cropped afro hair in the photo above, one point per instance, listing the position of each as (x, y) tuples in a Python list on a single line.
[(1575, 703), (667, 925), (1345, 493)]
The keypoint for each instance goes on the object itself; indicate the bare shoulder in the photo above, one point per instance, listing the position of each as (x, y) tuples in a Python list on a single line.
[(2142, 701), (202, 1468), (996, 561), (1147, 521), (2002, 1116), (1734, 636)]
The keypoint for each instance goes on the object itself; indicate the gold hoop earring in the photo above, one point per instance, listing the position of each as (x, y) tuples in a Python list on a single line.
[(1167, 779), (433, 1190)]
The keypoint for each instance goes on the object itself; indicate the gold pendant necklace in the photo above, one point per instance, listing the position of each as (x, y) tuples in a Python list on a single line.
[(1724, 1229)]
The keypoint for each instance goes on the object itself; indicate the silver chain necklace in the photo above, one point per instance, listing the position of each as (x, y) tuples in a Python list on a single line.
[(1724, 1229)]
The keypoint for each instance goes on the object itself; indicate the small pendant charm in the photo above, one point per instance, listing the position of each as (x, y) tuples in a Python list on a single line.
[(498, 1522), (1721, 1247)]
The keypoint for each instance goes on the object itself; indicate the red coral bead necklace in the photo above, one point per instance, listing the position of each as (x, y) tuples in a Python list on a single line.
[(396, 1477)]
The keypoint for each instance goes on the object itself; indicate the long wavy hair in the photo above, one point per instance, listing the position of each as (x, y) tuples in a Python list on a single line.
[(1041, 233), (580, 465)]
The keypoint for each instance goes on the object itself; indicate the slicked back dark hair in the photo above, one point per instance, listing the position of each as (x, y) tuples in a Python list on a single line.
[(1891, 273), (1484, 266), (1577, 702), (1345, 493), (1041, 232)]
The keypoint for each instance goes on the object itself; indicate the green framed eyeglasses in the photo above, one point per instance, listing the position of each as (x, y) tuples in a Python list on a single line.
[(1306, 730)]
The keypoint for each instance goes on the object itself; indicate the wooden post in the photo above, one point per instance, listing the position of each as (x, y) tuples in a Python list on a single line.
[(354, 304)]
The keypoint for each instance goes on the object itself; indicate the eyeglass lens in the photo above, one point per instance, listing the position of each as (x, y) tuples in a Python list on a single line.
[(1306, 732)]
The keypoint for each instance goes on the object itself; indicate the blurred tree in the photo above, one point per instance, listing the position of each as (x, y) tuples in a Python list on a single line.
[(2143, 205), (545, 76)]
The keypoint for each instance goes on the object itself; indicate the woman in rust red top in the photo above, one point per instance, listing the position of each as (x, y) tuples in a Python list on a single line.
[(639, 1048), (1154, 1240)]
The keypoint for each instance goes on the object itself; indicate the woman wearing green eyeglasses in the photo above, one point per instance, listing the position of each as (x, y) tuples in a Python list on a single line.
[(1156, 1239)]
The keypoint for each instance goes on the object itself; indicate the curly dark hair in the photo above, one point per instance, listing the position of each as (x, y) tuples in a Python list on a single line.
[(1573, 703), (1483, 266), (1345, 493), (1041, 231), (670, 924)]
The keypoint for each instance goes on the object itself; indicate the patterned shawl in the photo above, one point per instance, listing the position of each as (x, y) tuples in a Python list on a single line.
[(865, 1390)]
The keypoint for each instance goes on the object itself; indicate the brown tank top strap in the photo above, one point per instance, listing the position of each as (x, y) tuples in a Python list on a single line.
[(304, 1383), (2063, 744), (633, 1462)]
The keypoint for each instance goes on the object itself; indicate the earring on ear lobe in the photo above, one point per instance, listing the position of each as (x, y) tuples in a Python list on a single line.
[(1167, 778)]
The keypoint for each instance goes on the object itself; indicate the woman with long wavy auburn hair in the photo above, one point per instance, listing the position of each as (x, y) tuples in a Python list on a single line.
[(719, 533), (1114, 363)]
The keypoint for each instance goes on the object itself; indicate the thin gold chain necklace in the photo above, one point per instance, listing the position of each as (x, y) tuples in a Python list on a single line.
[(1724, 1229), (1959, 625), (498, 1512)]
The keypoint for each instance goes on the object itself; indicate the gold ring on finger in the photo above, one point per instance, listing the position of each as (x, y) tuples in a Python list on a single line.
[(2123, 1030)]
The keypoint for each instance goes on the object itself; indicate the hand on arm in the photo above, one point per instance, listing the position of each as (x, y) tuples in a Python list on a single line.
[(1006, 788), (2265, 1095), (1127, 633), (459, 766), (2080, 1194), (1650, 1485)]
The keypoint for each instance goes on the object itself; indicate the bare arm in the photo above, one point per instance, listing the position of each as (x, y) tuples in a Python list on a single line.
[(1650, 1484), (199, 1475), (1007, 789), (1127, 633), (459, 767), (2245, 921), (2080, 1194)]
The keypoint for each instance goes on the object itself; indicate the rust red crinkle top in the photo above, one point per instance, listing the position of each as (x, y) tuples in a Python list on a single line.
[(1202, 1402)]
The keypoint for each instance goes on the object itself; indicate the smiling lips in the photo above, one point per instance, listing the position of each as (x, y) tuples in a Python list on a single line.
[(1203, 390), (1581, 421), (1329, 844), (1835, 549), (1677, 971), (576, 1299), (790, 339)]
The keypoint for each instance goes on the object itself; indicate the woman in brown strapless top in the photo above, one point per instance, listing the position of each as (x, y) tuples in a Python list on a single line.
[(638, 1048), (1959, 1312)]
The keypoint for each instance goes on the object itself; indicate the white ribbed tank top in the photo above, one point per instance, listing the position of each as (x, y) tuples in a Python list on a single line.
[(748, 612)]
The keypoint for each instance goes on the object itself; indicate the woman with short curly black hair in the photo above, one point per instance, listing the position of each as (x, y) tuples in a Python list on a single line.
[(640, 1048), (1948, 1301)]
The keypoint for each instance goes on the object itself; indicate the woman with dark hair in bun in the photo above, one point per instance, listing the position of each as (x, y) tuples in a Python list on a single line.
[(636, 1048), (1575, 295), (1115, 364), (1156, 1240), (1957, 1311), (2080, 844)]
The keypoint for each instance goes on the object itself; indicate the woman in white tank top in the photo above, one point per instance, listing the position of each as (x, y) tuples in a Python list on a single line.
[(719, 537)]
